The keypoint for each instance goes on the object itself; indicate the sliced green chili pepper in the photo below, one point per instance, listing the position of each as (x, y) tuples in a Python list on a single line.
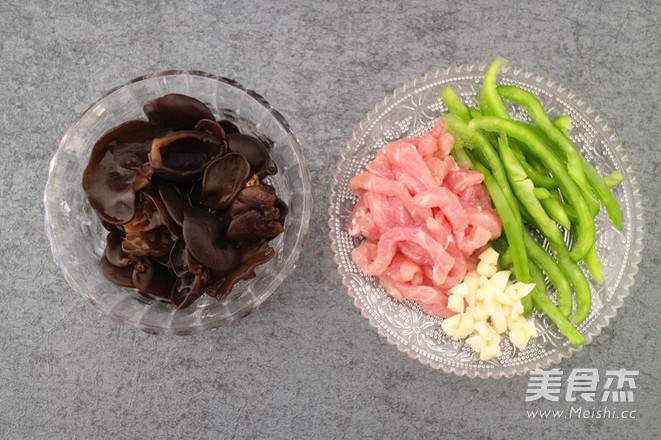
[(523, 190), (454, 103), (513, 230), (577, 278), (614, 179), (553, 207), (481, 103), (562, 123), (594, 266), (545, 306), (592, 262), (538, 114), (473, 112), (539, 178), (494, 104), (569, 189), (546, 262), (598, 185), (604, 193)]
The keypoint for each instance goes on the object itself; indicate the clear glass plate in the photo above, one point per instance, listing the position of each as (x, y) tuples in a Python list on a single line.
[(412, 110), (77, 237)]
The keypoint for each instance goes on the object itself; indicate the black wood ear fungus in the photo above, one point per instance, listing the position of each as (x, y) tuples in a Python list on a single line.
[(180, 112), (183, 200), (223, 179)]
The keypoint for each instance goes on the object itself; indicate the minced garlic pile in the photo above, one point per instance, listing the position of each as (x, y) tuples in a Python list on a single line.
[(487, 305)]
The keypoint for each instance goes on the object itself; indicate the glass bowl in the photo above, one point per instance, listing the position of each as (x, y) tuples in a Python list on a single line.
[(77, 237), (413, 109)]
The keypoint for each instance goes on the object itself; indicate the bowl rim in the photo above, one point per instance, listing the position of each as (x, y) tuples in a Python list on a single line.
[(287, 266), (637, 219)]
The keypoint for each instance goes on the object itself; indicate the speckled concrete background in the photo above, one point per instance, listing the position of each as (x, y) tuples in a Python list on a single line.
[(306, 365)]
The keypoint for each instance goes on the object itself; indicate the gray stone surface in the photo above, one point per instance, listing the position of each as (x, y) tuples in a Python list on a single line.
[(306, 364)]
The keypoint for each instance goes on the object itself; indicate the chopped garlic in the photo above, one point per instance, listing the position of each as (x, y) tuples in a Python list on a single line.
[(489, 352), (477, 342), (460, 290), (488, 304), (519, 338), (486, 269), (478, 312), (456, 303), (466, 326), (489, 256), (449, 325), (500, 280)]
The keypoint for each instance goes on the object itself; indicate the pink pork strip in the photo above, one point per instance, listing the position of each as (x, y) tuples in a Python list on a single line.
[(424, 218)]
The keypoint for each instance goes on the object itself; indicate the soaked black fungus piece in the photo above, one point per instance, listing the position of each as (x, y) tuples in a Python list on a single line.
[(252, 225), (174, 202), (229, 127), (118, 168), (178, 111), (153, 197), (223, 179), (152, 278), (270, 168), (156, 242), (179, 257), (210, 127), (251, 256), (204, 234), (260, 198), (256, 214), (184, 154), (114, 252), (187, 289), (121, 276), (250, 147)]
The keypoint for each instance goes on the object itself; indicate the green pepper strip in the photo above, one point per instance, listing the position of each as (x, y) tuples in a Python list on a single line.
[(563, 123), (454, 103), (598, 185), (594, 265), (539, 178), (473, 113), (513, 229), (613, 179), (571, 212), (573, 273), (592, 262), (585, 222), (538, 114), (553, 207), (577, 278), (545, 306), (593, 204), (523, 189), (546, 262), (481, 104), (475, 141), (604, 193), (494, 104), (506, 259)]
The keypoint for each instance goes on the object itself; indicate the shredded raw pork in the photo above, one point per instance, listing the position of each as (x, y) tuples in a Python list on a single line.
[(424, 219)]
